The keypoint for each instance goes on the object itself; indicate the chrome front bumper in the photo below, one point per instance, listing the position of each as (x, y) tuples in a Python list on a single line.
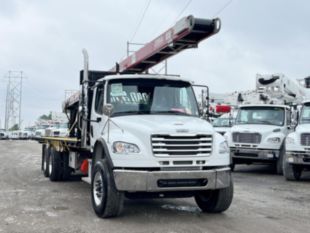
[(255, 154), (156, 181), (298, 157)]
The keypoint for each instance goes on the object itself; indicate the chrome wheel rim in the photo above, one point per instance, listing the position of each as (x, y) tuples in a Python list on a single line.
[(44, 164), (50, 165), (98, 188)]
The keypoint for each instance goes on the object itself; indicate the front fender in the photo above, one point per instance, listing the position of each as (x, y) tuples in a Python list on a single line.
[(104, 154), (269, 145)]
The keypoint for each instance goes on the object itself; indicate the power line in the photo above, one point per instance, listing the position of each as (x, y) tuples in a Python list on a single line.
[(223, 8), (184, 8), (164, 21), (141, 20)]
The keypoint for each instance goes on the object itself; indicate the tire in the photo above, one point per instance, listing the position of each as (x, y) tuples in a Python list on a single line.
[(55, 165), (279, 162), (291, 171), (46, 155), (215, 201), (107, 201), (232, 166), (43, 157), (66, 170)]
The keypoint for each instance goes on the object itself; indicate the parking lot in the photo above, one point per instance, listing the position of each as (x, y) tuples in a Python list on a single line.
[(29, 202)]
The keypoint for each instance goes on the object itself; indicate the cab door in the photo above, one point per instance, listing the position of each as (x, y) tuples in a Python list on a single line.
[(97, 116)]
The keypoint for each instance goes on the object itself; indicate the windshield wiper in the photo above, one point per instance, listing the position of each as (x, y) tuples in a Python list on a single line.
[(170, 112), (130, 112), (266, 122), (242, 122)]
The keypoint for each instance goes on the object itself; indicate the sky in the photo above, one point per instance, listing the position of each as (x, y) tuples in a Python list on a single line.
[(44, 39)]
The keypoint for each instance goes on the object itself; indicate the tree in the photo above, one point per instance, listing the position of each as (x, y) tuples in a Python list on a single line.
[(46, 117), (14, 127)]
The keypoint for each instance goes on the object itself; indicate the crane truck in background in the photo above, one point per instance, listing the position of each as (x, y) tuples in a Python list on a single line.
[(297, 156), (134, 134), (261, 125)]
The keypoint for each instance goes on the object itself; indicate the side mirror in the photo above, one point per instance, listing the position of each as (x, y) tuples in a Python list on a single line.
[(108, 109), (294, 123), (99, 119)]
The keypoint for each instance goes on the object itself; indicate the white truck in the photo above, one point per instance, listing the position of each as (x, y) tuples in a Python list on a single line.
[(58, 129), (139, 135), (297, 156), (262, 125), (258, 134), (3, 135)]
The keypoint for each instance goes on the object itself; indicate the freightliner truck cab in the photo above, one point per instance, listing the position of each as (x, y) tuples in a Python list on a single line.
[(297, 156), (155, 143), (258, 135)]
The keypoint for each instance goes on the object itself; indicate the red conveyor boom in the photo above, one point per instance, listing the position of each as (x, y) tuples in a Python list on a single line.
[(185, 34)]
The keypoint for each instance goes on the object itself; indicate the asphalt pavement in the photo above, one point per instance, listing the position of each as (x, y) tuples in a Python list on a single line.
[(29, 202)]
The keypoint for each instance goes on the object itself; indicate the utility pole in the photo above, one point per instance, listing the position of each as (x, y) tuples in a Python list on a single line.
[(13, 99)]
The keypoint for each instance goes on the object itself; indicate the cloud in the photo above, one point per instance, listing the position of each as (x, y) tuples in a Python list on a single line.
[(45, 39)]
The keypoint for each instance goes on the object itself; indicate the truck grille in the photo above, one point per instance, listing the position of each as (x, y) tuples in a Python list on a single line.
[(247, 137), (56, 133), (305, 139), (181, 145)]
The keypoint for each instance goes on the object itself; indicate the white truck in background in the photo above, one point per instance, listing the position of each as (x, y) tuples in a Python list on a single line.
[(139, 135), (59, 129), (3, 135), (297, 156), (258, 134), (261, 127)]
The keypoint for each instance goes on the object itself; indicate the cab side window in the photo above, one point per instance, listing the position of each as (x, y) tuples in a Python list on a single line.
[(99, 98)]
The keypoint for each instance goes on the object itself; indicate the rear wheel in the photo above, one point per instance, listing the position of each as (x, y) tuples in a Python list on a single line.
[(55, 168), (215, 201), (45, 161), (65, 169), (43, 156), (107, 201)]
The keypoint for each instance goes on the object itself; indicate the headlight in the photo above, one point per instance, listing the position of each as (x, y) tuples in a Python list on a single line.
[(274, 140), (223, 148), (125, 148), (289, 140)]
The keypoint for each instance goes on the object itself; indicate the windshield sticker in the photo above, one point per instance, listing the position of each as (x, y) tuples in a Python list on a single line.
[(130, 98), (117, 90)]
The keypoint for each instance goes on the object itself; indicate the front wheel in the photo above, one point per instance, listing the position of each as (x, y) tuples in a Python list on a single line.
[(215, 201), (279, 162), (107, 201), (291, 171), (232, 166)]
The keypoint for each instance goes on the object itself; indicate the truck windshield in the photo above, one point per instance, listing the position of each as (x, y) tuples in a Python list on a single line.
[(222, 122), (261, 115), (305, 114), (151, 96)]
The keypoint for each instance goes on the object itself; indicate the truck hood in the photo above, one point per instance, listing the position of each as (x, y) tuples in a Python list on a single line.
[(303, 128), (155, 124), (255, 128)]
